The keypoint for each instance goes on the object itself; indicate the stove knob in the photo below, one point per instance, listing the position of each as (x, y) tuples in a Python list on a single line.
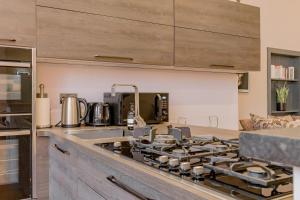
[(198, 170), (173, 162), (185, 166), (163, 159), (117, 145)]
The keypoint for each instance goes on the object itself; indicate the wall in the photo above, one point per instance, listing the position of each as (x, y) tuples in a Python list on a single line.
[(279, 29), (194, 95)]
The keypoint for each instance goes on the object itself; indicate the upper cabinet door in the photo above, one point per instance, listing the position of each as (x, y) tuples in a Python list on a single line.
[(17, 21), (155, 11), (204, 49), (220, 16), (81, 36)]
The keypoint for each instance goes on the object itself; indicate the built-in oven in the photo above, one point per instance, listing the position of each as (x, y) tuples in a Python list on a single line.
[(15, 165), (15, 95), (17, 127)]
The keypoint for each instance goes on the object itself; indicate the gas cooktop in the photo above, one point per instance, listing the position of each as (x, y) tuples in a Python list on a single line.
[(208, 161)]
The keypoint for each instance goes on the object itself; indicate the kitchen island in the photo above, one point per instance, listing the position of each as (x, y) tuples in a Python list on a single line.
[(81, 169), (275, 145)]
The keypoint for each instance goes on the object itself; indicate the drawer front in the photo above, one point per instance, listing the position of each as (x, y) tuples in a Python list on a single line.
[(62, 151), (156, 11), (221, 16), (95, 175), (58, 191), (216, 51), (61, 171), (85, 192), (79, 36), (17, 21), (101, 170)]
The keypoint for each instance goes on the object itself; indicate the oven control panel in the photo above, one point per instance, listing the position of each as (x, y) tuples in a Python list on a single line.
[(165, 108)]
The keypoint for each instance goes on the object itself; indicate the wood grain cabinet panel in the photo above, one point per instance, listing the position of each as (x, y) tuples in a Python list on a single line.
[(62, 176), (80, 36), (42, 167), (216, 51), (220, 16), (96, 172), (85, 192), (156, 11), (17, 21)]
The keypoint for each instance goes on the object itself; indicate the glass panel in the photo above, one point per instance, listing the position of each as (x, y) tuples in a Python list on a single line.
[(15, 122), (10, 87), (15, 90), (15, 167)]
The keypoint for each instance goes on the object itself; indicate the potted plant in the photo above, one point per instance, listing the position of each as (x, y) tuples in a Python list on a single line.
[(282, 93)]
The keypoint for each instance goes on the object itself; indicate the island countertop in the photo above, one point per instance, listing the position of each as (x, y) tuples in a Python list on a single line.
[(88, 146), (276, 145), (162, 128)]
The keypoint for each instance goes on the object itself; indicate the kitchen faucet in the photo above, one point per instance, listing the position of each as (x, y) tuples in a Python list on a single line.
[(138, 119)]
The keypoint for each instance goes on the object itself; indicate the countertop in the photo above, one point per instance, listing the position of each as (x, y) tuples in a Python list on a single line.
[(88, 146), (276, 145), (162, 128)]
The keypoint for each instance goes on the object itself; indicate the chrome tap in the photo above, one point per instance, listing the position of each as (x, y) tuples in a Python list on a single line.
[(138, 119)]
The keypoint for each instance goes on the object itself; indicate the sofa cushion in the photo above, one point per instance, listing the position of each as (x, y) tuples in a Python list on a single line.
[(296, 117), (247, 124), (293, 124), (287, 118), (267, 123)]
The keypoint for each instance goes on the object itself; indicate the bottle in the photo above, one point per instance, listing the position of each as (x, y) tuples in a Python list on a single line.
[(130, 117)]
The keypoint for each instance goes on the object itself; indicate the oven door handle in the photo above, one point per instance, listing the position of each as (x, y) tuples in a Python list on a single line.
[(15, 64), (127, 188), (14, 133), (23, 73)]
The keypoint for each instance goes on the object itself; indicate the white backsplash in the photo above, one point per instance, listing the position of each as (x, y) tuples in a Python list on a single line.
[(193, 95)]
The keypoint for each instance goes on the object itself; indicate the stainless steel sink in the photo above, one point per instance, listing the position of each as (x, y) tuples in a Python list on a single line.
[(97, 134)]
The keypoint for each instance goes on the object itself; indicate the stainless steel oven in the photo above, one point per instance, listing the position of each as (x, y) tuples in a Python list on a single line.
[(15, 165), (15, 95), (17, 127)]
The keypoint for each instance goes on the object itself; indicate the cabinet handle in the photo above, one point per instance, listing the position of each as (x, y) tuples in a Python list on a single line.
[(226, 66), (61, 150), (113, 58), (8, 39), (127, 188)]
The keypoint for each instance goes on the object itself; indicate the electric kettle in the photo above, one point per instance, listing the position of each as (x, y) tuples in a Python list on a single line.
[(98, 114), (71, 115)]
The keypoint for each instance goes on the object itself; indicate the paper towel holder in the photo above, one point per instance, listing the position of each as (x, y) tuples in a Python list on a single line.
[(42, 96), (42, 93)]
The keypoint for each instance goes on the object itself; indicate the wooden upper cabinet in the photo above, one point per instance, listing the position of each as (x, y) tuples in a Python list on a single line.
[(155, 11), (17, 21), (80, 36), (222, 16), (204, 49)]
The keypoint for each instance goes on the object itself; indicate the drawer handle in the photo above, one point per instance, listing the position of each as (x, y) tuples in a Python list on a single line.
[(8, 39), (226, 66), (61, 150), (127, 188), (113, 58)]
